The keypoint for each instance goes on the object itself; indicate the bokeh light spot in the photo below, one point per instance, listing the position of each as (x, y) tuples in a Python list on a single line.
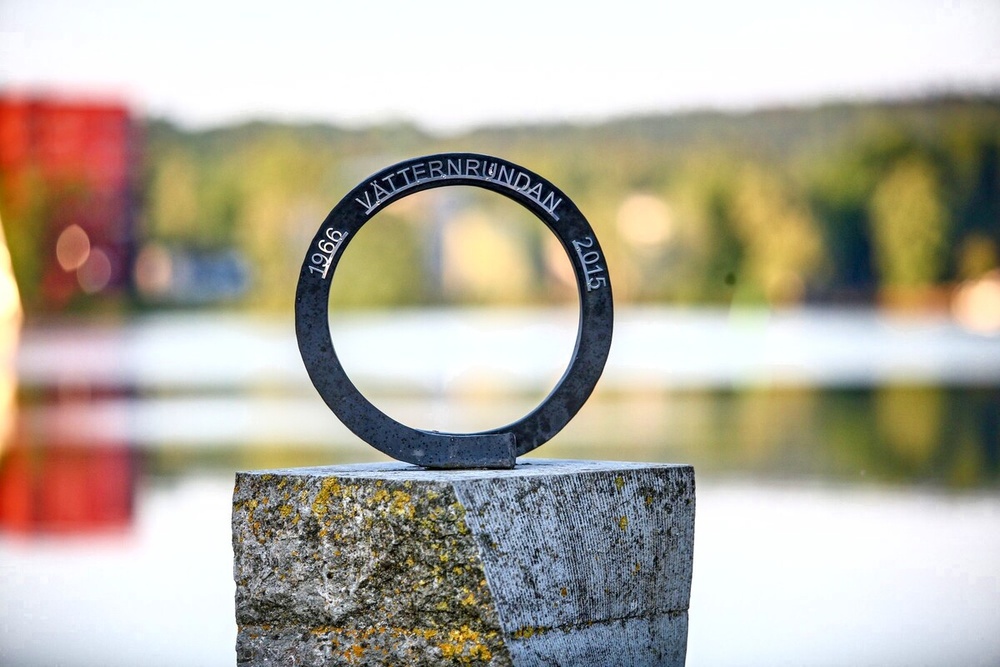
[(95, 274), (72, 248), (645, 221)]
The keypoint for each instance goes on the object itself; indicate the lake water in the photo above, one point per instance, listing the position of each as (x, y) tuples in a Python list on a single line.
[(848, 503)]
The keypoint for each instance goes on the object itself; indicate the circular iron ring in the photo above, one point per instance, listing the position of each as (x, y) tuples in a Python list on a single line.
[(496, 448)]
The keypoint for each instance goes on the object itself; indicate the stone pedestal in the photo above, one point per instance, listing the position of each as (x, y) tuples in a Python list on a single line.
[(551, 563)]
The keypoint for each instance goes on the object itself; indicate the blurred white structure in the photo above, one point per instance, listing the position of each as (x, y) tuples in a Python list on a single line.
[(10, 327)]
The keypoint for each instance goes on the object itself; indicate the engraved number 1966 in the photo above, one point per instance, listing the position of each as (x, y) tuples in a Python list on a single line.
[(319, 262), (589, 261)]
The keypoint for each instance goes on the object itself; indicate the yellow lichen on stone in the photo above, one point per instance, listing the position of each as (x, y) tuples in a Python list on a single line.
[(459, 510), (619, 482), (329, 488), (527, 632), (401, 504), (623, 522), (463, 646), (369, 518), (463, 634)]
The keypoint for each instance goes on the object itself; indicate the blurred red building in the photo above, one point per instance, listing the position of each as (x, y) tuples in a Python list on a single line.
[(67, 196), (68, 204)]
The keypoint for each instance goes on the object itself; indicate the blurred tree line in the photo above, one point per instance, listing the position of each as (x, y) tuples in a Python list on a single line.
[(835, 203)]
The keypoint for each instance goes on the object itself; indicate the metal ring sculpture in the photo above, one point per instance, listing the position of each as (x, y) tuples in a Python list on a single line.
[(499, 447)]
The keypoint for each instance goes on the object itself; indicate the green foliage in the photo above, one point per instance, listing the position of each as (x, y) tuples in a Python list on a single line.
[(771, 206), (25, 243), (910, 225), (383, 267)]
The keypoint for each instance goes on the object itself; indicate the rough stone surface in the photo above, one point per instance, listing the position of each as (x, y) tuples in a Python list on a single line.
[(551, 563)]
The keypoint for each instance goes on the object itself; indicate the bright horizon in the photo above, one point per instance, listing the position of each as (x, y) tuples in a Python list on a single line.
[(448, 66)]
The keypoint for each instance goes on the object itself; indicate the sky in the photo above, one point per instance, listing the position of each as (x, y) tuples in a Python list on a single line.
[(450, 65)]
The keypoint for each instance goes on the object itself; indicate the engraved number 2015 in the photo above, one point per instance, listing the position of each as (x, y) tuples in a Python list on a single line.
[(589, 261)]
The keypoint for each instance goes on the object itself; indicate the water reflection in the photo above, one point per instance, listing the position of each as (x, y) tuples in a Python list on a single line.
[(946, 436), (53, 483), (53, 488), (847, 397), (118, 478), (810, 395)]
